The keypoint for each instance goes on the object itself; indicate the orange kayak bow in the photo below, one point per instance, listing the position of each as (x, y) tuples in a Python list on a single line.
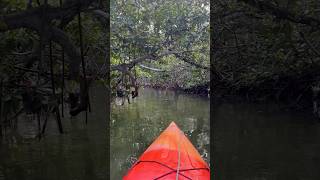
[(172, 157)]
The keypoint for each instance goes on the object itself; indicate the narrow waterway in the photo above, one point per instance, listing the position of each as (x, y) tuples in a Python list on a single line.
[(251, 141), (134, 126)]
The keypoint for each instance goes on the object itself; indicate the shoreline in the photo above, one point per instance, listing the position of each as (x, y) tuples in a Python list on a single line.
[(200, 90), (223, 94)]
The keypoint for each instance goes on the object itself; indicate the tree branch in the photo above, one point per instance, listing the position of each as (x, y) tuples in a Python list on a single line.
[(35, 19), (32, 19), (282, 13), (150, 68), (309, 44)]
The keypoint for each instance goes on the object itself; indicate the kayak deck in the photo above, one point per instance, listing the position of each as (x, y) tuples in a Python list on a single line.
[(170, 156)]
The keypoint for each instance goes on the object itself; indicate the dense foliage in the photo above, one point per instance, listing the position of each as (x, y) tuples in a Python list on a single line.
[(162, 43), (41, 55), (266, 48)]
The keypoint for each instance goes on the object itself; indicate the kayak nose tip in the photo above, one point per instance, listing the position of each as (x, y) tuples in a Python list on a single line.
[(173, 124)]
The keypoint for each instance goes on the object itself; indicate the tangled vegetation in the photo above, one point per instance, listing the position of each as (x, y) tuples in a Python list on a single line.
[(50, 52), (266, 49), (160, 43)]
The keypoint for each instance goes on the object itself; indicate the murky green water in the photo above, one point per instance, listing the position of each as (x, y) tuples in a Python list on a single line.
[(251, 141), (135, 126), (79, 154), (264, 142)]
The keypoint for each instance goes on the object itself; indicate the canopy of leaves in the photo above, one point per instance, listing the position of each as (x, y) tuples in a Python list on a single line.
[(266, 46), (150, 27)]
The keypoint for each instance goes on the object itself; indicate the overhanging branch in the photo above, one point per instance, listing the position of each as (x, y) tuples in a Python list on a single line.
[(282, 13), (150, 68)]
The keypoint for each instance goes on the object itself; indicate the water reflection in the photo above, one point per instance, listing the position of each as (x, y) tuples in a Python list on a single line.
[(135, 126), (77, 154), (258, 142)]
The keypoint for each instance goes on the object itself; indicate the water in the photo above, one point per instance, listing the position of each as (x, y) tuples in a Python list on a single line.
[(134, 126), (264, 142), (78, 154), (251, 141)]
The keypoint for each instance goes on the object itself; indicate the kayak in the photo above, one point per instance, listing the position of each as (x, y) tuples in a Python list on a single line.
[(170, 157)]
